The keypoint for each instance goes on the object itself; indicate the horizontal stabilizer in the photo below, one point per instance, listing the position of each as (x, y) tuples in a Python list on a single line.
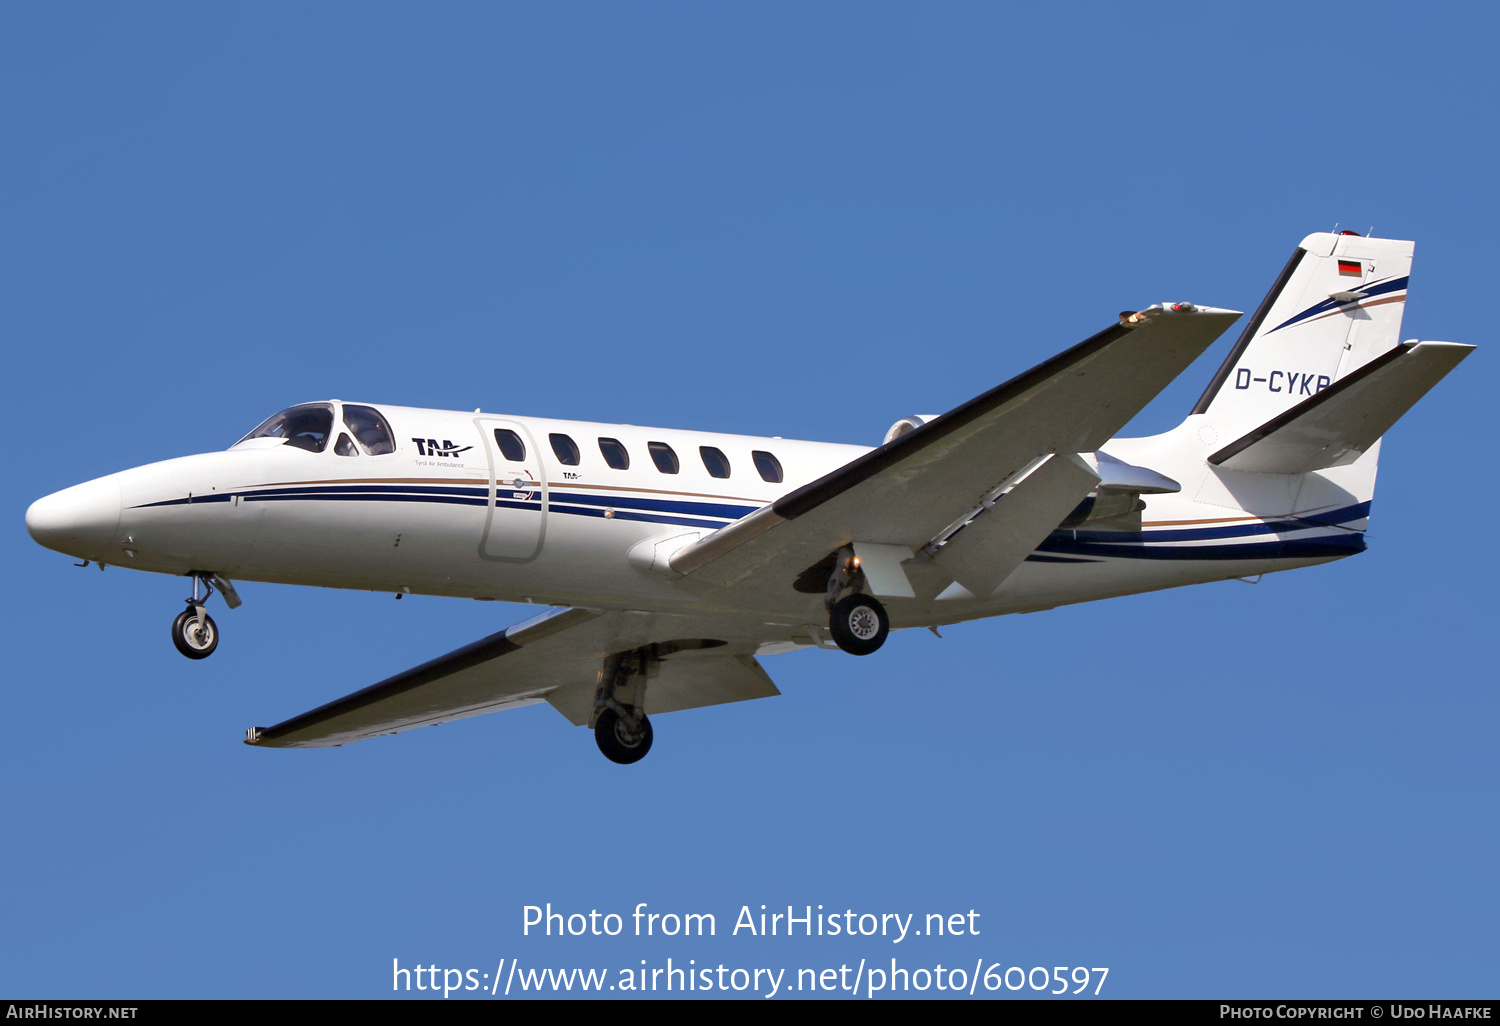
[(1337, 425)]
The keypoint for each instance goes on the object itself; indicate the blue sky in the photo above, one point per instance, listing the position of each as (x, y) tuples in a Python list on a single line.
[(802, 220)]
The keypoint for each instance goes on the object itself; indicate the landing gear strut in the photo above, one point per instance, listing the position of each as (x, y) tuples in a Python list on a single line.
[(194, 632), (858, 623), (622, 732)]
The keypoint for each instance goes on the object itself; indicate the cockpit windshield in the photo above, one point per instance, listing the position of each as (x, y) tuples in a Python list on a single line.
[(306, 427), (370, 428)]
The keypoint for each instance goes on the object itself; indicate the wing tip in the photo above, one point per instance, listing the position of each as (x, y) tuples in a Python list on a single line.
[(274, 743), (1132, 318), (256, 737)]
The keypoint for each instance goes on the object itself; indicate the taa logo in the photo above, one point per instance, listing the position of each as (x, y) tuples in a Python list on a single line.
[(429, 447)]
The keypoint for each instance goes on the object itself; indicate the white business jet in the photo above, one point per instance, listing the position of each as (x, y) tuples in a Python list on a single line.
[(675, 558)]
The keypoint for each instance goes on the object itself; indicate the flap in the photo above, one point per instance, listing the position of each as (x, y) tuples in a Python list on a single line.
[(988, 549), (691, 680)]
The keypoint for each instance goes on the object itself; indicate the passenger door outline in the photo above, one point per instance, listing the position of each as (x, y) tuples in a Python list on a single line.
[(511, 534)]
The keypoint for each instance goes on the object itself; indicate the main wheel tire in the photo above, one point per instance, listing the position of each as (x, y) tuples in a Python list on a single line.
[(859, 624), (190, 641), (609, 735)]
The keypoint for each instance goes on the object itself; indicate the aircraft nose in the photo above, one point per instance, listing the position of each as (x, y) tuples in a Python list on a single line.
[(79, 521)]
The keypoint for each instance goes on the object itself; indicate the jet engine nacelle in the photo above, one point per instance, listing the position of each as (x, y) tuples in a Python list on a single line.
[(1105, 504), (1118, 495), (906, 425)]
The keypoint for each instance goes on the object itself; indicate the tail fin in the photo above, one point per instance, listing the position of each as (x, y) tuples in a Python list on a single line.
[(1336, 306)]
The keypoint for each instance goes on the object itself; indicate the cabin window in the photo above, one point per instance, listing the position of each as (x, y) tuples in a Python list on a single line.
[(614, 453), (370, 428), (663, 456), (345, 446), (768, 465), (306, 427), (714, 460), (565, 449), (511, 446)]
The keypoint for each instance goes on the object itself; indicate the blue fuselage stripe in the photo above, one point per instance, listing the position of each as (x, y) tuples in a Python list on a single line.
[(1297, 548), (1062, 546), (457, 500), (1331, 518), (617, 502)]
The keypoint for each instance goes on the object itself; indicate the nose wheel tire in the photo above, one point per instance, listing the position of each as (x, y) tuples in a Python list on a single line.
[(191, 640), (615, 739), (858, 624)]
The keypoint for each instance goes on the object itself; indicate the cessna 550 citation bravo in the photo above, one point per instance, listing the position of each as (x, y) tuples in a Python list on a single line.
[(678, 557)]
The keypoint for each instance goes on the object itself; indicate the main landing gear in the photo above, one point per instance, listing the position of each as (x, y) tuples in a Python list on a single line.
[(622, 732), (618, 742), (858, 623), (194, 632)]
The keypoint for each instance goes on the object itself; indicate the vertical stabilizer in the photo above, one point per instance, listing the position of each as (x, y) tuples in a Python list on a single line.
[(1336, 306)]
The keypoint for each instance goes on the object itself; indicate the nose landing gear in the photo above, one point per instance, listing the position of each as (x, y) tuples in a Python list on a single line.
[(194, 632)]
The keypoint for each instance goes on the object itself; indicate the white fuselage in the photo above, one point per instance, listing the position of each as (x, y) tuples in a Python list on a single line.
[(450, 513)]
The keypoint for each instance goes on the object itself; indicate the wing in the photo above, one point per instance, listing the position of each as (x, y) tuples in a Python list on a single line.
[(554, 658), (926, 484)]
